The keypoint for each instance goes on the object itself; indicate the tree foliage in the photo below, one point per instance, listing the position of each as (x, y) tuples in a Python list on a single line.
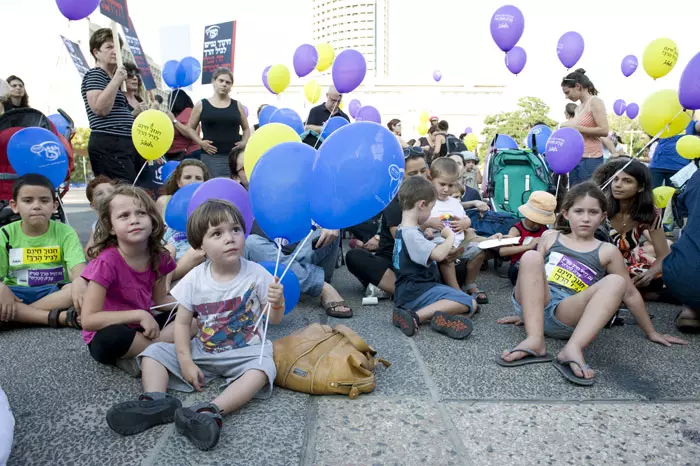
[(82, 161), (627, 130)]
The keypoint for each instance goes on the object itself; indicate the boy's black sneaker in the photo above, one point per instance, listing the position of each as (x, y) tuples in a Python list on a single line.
[(454, 326), (201, 424), (151, 409), (406, 320)]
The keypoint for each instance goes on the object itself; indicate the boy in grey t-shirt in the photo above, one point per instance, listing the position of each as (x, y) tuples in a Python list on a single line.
[(420, 296)]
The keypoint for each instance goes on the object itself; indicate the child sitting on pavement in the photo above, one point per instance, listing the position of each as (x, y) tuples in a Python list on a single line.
[(226, 293), (420, 296), (97, 190), (40, 260)]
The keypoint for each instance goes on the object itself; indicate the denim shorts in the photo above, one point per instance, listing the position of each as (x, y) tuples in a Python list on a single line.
[(552, 327), (437, 293), (32, 294)]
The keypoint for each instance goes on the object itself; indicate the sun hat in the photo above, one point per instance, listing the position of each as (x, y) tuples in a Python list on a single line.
[(469, 155), (540, 208)]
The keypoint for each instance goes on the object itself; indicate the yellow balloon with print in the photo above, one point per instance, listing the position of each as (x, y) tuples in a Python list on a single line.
[(471, 141), (152, 134), (663, 195), (424, 117), (662, 113), (278, 78), (689, 147), (423, 128), (326, 55), (262, 140), (312, 91), (660, 57)]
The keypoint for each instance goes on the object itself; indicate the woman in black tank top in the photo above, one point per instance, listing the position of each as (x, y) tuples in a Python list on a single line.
[(223, 123)]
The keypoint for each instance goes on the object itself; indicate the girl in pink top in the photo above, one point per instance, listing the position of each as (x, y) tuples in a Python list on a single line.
[(127, 277), (591, 121)]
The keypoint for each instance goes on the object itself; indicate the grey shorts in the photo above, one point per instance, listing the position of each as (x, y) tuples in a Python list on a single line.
[(552, 327), (230, 364)]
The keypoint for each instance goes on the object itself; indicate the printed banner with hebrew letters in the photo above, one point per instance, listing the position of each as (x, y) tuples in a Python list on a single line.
[(77, 56), (132, 40), (219, 49), (115, 10)]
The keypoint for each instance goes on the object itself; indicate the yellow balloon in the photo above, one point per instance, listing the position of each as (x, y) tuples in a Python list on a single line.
[(152, 134), (326, 55), (424, 117), (662, 108), (689, 147), (264, 138), (660, 57), (471, 141), (663, 195), (278, 78), (341, 105), (423, 128), (312, 91)]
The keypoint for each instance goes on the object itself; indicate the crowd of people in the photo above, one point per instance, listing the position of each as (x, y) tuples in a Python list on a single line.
[(180, 308)]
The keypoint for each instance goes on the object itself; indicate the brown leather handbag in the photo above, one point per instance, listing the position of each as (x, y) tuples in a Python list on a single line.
[(321, 360)]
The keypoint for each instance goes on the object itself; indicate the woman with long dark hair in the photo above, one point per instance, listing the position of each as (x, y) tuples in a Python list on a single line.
[(186, 143), (395, 127), (18, 97), (591, 121)]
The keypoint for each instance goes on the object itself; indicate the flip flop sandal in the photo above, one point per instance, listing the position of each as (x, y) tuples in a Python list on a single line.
[(568, 373), (331, 309), (530, 358)]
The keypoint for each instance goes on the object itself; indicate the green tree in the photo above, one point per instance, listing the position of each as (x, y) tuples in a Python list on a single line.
[(82, 161), (516, 124), (628, 130)]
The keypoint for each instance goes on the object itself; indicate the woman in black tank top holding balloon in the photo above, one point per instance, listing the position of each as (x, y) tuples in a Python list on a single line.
[(223, 123)]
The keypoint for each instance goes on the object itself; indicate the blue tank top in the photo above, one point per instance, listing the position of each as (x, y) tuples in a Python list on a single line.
[(572, 271)]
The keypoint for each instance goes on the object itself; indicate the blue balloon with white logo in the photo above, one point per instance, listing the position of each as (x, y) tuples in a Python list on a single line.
[(333, 124), (187, 72), (38, 150), (265, 114), (176, 210), (288, 117), (542, 134), (290, 285)]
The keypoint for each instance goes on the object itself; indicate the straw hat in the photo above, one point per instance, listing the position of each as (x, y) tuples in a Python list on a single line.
[(540, 208)]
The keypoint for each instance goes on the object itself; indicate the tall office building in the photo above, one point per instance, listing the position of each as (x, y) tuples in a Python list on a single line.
[(355, 24)]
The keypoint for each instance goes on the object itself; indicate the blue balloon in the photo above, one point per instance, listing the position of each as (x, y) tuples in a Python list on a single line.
[(167, 169), (62, 125), (542, 134), (38, 150), (170, 73), (290, 284), (503, 141), (176, 210), (288, 117), (279, 191), (356, 174), (188, 71), (265, 114), (332, 125)]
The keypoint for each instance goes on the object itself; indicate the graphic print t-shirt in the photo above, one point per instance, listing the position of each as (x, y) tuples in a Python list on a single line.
[(38, 260), (226, 312)]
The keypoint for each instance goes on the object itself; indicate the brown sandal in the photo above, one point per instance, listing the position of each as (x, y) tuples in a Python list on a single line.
[(71, 318), (331, 309)]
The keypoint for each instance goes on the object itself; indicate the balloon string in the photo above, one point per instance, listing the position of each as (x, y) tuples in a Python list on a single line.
[(277, 263), (268, 307), (556, 193), (296, 252), (325, 124), (172, 104), (654, 139), (140, 171)]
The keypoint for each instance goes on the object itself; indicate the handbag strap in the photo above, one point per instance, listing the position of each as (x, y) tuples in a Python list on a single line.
[(354, 338)]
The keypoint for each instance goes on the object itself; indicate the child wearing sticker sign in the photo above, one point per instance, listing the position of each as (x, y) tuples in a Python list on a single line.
[(583, 284)]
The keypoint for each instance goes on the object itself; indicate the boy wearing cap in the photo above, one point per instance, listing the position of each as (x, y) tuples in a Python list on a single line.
[(472, 175), (538, 212)]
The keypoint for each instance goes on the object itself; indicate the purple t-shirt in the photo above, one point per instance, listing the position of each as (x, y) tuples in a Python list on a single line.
[(126, 288)]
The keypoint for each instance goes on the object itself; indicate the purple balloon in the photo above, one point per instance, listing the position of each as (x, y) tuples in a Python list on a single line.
[(507, 25), (77, 9), (629, 65), (570, 48), (437, 75), (468, 130), (349, 70), (264, 78), (354, 107), (245, 107), (619, 107), (516, 59), (564, 150), (689, 88), (305, 60), (224, 189), (632, 111), (369, 113)]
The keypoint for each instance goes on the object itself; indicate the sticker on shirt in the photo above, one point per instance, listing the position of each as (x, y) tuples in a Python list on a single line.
[(569, 273), (29, 256), (38, 277)]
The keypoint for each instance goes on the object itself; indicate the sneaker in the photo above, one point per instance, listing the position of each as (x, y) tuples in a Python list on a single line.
[(406, 320), (201, 424), (151, 409), (454, 326), (376, 292), (130, 366)]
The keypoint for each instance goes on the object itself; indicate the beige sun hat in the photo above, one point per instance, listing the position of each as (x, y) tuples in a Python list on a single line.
[(540, 208)]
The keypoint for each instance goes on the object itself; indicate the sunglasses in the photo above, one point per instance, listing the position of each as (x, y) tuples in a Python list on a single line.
[(409, 151)]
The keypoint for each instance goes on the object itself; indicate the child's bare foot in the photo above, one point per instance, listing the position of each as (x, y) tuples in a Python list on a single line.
[(535, 345), (579, 367), (510, 320)]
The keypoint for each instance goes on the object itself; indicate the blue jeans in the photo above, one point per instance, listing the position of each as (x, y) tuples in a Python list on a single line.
[(312, 267), (553, 328), (661, 177), (584, 170)]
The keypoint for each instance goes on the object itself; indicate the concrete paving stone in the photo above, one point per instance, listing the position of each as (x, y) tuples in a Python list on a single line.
[(581, 434), (376, 431)]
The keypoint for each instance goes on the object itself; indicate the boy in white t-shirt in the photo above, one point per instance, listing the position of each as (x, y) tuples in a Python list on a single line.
[(448, 211), (227, 293)]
